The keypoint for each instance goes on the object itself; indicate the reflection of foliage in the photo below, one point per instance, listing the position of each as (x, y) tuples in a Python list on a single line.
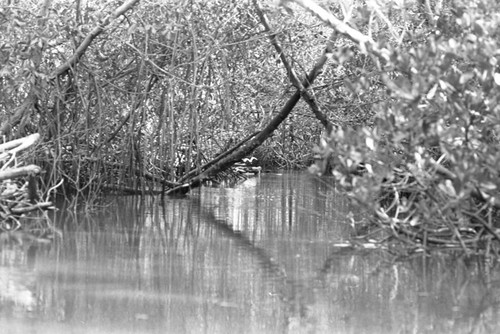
[(447, 292), (429, 159)]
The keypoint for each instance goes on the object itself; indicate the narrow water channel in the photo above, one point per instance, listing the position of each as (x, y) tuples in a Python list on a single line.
[(260, 257)]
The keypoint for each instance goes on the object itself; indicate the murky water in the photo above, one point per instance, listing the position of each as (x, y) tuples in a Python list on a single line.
[(257, 258)]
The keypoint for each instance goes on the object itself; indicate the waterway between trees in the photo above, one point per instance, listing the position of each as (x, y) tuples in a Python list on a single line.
[(260, 257)]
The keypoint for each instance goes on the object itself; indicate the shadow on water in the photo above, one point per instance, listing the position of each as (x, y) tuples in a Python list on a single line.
[(256, 258)]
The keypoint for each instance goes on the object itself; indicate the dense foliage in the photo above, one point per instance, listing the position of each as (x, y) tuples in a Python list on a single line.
[(425, 167), (157, 92)]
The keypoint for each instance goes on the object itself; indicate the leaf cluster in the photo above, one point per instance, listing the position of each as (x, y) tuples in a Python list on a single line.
[(425, 168)]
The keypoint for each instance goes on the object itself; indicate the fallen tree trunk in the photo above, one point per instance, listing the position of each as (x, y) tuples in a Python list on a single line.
[(256, 141)]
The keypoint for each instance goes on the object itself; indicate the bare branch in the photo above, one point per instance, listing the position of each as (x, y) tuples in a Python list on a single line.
[(19, 171), (366, 44), (90, 37), (19, 144), (291, 73)]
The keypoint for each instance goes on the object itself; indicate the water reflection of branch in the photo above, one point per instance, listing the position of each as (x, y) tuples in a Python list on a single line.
[(224, 227), (291, 292)]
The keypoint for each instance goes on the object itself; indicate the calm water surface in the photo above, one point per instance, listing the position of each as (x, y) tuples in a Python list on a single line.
[(256, 258)]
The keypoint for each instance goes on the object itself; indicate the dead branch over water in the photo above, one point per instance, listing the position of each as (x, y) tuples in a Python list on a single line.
[(20, 195)]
